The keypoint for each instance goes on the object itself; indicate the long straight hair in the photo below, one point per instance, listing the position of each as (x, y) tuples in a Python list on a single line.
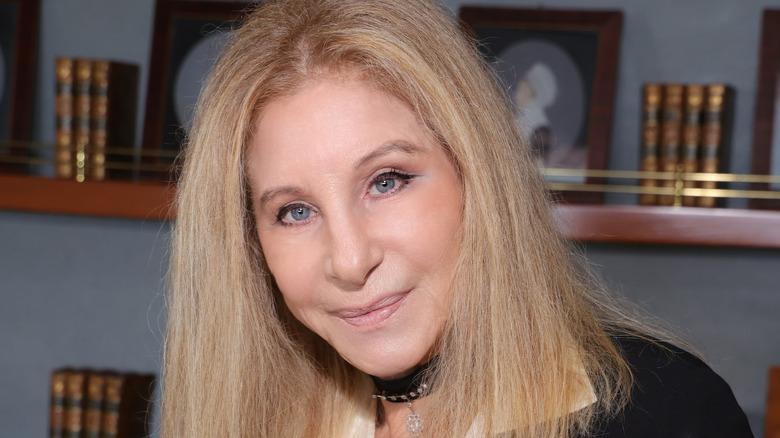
[(526, 323)]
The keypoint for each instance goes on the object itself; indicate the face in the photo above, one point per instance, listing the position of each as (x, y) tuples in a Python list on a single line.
[(358, 212)]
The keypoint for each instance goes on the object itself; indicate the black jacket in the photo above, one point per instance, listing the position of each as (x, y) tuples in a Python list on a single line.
[(675, 395)]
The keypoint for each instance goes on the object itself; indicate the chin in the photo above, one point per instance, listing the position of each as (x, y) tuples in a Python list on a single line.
[(386, 373), (399, 365)]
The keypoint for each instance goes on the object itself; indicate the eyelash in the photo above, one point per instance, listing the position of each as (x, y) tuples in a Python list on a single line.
[(392, 174), (286, 209)]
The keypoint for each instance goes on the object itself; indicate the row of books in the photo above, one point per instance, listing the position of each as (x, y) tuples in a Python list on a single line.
[(87, 403), (96, 105), (686, 128)]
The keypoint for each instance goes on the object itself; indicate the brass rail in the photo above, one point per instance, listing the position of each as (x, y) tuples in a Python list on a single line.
[(678, 190)]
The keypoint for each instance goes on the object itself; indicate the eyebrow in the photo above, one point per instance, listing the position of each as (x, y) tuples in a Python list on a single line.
[(276, 191), (385, 149)]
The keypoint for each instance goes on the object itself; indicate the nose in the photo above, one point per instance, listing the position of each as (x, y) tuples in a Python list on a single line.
[(354, 251)]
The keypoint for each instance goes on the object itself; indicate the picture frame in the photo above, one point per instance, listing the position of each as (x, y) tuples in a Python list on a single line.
[(559, 67), (766, 121), (18, 47), (187, 37)]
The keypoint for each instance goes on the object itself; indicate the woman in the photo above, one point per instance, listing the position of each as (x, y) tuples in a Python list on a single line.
[(358, 220)]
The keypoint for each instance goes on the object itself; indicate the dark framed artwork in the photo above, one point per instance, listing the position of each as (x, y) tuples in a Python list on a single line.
[(766, 122), (559, 68), (18, 47), (188, 36)]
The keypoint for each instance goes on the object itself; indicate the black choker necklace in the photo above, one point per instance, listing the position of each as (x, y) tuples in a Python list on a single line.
[(404, 390), (409, 386)]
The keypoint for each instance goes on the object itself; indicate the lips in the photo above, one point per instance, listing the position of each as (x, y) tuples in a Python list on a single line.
[(374, 313)]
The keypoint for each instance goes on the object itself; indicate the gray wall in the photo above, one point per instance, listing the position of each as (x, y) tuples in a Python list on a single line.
[(77, 292), (723, 301), (86, 291)]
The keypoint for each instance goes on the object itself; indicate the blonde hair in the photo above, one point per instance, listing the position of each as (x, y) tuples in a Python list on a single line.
[(523, 308)]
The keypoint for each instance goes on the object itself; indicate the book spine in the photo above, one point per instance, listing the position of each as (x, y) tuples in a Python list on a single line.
[(651, 125), (57, 404), (671, 126), (715, 132), (74, 403), (81, 115), (94, 405), (694, 101), (134, 406), (99, 112), (63, 143), (112, 396), (115, 103)]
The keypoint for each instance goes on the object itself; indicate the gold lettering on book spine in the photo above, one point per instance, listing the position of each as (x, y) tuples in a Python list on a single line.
[(94, 405), (694, 101), (99, 114), (671, 127), (111, 399), (81, 114), (712, 136), (74, 404), (651, 109), (63, 103), (57, 405)]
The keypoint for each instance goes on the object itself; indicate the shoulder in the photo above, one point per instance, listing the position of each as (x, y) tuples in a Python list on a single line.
[(674, 394)]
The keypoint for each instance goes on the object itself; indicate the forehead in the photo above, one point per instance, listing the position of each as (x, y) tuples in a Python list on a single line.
[(328, 119)]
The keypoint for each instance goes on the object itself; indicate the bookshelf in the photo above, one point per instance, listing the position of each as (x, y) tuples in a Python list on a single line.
[(670, 225), (627, 224), (106, 198)]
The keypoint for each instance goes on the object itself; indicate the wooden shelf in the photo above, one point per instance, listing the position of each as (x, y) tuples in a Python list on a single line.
[(670, 225), (106, 198), (585, 223)]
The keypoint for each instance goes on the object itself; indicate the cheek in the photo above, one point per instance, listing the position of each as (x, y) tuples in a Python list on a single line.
[(431, 230), (441, 217), (292, 271)]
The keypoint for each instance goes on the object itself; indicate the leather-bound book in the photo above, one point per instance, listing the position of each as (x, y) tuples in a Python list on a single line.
[(82, 98), (716, 137), (113, 116), (126, 405), (57, 404), (651, 130), (93, 408), (75, 385), (63, 102), (691, 138), (671, 130)]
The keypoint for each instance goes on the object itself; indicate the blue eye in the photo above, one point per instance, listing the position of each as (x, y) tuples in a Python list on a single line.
[(384, 185), (389, 182), (295, 213)]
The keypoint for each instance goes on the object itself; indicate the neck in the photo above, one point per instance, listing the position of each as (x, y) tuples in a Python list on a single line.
[(408, 385)]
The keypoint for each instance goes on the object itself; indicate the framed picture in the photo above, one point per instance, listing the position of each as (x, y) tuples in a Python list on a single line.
[(559, 69), (766, 124), (18, 46), (188, 36)]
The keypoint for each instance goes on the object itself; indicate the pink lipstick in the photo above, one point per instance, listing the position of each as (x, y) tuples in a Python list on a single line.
[(375, 313)]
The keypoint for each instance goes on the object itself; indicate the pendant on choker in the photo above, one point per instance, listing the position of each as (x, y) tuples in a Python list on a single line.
[(405, 390), (414, 422)]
